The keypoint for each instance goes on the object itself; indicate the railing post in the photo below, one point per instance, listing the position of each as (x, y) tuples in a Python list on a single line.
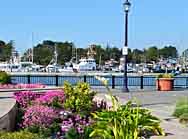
[(85, 78), (141, 82), (113, 82), (186, 82), (28, 79), (56, 80)]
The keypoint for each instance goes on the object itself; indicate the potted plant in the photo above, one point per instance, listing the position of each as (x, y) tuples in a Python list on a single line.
[(165, 82)]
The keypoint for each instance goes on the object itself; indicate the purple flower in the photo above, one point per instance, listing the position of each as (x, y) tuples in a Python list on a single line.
[(52, 98), (24, 98), (40, 116), (75, 121), (21, 86)]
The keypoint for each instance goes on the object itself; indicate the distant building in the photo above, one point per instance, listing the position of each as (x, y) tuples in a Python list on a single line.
[(15, 57), (184, 57)]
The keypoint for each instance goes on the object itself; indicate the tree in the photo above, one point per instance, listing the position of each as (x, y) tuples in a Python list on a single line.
[(152, 54), (42, 54), (137, 55), (5, 50), (168, 52), (64, 50)]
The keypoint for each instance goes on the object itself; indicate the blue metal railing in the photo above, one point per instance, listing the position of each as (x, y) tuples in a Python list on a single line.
[(114, 81)]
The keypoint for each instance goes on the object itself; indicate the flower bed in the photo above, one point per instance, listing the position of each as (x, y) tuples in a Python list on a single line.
[(73, 113), (21, 86)]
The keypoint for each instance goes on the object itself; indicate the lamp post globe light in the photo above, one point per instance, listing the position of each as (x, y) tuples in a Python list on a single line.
[(126, 6)]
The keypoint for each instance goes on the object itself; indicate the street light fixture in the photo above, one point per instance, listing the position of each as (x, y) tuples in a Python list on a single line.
[(126, 6)]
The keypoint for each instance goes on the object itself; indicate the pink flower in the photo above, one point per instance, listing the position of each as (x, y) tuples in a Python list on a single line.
[(40, 116), (52, 98), (75, 121), (24, 98), (21, 86)]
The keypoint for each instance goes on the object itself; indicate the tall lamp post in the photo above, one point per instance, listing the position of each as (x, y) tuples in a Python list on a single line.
[(126, 6)]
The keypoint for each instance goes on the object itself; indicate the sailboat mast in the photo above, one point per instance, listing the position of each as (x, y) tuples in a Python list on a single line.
[(32, 53), (76, 56), (55, 53)]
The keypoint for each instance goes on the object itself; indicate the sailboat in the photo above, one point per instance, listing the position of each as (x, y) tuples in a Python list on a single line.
[(53, 66)]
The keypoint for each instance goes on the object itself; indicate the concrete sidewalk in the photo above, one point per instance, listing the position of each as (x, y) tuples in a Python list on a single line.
[(7, 111), (6, 102)]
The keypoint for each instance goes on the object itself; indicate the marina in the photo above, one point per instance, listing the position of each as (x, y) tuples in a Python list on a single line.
[(85, 70)]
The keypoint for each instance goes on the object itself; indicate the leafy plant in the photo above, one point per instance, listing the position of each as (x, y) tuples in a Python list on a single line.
[(19, 135), (4, 78), (181, 107), (123, 122), (78, 98), (73, 134), (165, 75), (184, 118)]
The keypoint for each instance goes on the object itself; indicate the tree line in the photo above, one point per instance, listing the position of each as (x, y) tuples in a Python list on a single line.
[(43, 53), (5, 50)]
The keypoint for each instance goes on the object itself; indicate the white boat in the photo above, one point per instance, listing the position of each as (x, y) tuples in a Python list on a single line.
[(129, 67), (85, 64), (53, 68)]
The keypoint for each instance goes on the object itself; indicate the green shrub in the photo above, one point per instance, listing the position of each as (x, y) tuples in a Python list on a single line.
[(184, 118), (4, 77), (78, 98), (19, 135), (125, 122), (181, 107), (166, 75)]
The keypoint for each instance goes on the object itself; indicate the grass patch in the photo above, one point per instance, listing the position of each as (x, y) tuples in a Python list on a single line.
[(181, 110)]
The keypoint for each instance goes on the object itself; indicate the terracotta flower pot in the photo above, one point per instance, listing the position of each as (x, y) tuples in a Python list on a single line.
[(165, 84)]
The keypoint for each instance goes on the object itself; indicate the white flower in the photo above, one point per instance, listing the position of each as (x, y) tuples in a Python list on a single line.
[(102, 79)]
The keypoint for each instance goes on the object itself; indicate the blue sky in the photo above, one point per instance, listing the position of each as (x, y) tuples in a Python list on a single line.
[(152, 22)]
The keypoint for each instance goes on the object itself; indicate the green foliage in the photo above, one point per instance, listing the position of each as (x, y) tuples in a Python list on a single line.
[(4, 77), (73, 134), (43, 53), (181, 107), (166, 75), (78, 98), (137, 56), (152, 54), (19, 135), (184, 118), (45, 131), (124, 122), (168, 51), (5, 50)]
